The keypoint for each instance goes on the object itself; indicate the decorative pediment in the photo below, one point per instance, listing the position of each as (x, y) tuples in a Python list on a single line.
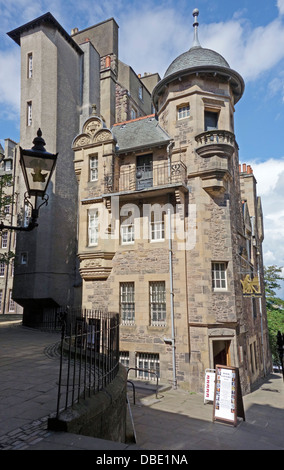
[(94, 131), (92, 125)]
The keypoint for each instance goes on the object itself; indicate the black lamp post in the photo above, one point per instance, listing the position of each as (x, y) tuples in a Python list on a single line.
[(280, 345), (37, 166)]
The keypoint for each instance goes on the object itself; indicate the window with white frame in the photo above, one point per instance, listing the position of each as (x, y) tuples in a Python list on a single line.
[(127, 226), (4, 242), (2, 268), (29, 113), (148, 365), (183, 111), (157, 303), (219, 276), (127, 303), (30, 65), (11, 302), (127, 233), (93, 162), (124, 358), (157, 227), (93, 227)]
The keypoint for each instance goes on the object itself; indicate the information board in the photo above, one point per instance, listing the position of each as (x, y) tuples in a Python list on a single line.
[(228, 404), (209, 385)]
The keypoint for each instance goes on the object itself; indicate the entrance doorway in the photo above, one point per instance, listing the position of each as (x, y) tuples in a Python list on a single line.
[(221, 353)]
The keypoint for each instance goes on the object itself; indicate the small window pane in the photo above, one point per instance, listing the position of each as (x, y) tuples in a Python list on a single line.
[(219, 280), (93, 228), (93, 168), (183, 111), (158, 303), (127, 305)]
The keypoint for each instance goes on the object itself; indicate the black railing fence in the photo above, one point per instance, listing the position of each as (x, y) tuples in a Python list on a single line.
[(89, 358), (130, 178)]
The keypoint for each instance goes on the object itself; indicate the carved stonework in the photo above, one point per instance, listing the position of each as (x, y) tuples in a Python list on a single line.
[(96, 265), (102, 136), (94, 131), (93, 127), (82, 141)]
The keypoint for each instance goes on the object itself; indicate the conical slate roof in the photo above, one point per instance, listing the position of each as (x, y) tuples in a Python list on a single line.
[(200, 60), (196, 57)]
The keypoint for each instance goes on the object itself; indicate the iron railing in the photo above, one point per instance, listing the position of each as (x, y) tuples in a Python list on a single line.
[(131, 178), (89, 358)]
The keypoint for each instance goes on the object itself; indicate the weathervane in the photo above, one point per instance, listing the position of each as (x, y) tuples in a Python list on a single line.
[(195, 14)]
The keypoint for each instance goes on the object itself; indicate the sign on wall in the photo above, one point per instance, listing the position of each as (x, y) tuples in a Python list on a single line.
[(209, 385), (251, 286), (228, 403)]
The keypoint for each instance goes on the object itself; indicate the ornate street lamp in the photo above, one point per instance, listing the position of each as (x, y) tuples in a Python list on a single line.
[(37, 166)]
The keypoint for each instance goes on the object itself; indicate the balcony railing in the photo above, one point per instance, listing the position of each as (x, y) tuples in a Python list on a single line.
[(215, 137), (215, 143), (131, 178)]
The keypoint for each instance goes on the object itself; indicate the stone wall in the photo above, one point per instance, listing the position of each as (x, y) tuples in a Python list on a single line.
[(103, 415)]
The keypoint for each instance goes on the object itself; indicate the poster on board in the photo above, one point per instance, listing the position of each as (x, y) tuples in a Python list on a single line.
[(209, 385), (228, 404)]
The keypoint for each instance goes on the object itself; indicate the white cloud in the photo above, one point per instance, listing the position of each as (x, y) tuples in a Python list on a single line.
[(270, 184), (161, 34), (150, 39), (280, 5), (10, 79), (255, 50), (267, 175)]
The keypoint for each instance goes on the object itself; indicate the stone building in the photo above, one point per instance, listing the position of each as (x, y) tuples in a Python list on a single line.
[(8, 215), (165, 225)]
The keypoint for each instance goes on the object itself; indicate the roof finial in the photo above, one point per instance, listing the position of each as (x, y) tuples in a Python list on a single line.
[(195, 14)]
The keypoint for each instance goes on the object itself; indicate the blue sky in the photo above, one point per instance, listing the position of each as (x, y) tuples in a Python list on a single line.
[(248, 33)]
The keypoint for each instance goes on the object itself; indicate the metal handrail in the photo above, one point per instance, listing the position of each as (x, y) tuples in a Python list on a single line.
[(144, 370)]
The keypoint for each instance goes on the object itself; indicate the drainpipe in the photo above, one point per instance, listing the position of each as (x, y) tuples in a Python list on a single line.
[(261, 315), (172, 340)]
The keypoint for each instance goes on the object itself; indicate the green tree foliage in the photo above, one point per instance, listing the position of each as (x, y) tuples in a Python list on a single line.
[(274, 307), (272, 276)]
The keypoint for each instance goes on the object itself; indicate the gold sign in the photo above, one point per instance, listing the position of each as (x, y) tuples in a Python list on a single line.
[(251, 287)]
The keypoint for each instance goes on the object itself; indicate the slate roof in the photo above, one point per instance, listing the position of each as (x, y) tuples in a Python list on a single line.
[(48, 19), (139, 133), (196, 57)]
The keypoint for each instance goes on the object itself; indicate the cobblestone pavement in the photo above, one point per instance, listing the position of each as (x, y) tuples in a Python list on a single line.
[(29, 365), (25, 436), (176, 419)]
